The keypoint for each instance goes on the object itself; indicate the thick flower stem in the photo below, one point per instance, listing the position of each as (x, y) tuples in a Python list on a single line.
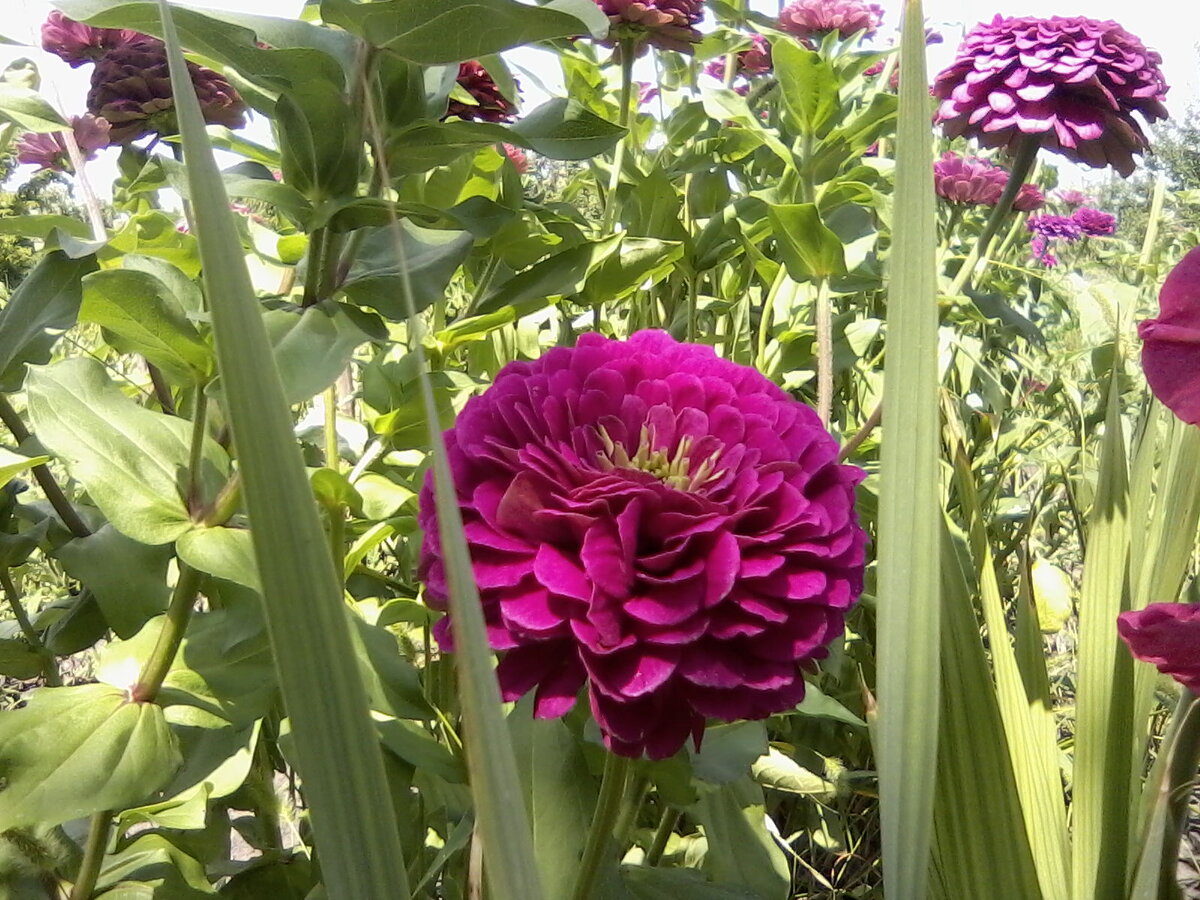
[(977, 258), (614, 178), (93, 856), (1151, 240), (49, 663), (179, 613), (196, 451), (1167, 793), (824, 352), (662, 835), (608, 804)]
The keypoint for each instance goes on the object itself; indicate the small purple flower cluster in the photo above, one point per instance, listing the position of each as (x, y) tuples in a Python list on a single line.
[(1048, 229)]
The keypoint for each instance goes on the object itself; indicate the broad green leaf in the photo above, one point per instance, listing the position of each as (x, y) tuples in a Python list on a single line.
[(132, 461), (393, 683), (432, 32), (420, 749), (809, 87), (152, 868), (77, 750), (11, 464), (430, 260), (319, 141), (723, 105), (728, 752), (312, 347), (41, 226), (129, 578), (26, 108), (565, 129), (820, 705), (646, 883), (227, 553), (808, 247), (44, 306), (1104, 736), (741, 851), (558, 275), (905, 735), (20, 659), (778, 771), (641, 262), (143, 316)]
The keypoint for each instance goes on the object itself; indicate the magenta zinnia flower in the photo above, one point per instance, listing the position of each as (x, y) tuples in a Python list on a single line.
[(49, 150), (131, 88), (490, 104), (816, 18), (1047, 231), (1029, 197), (1094, 222), (755, 60), (667, 528), (1071, 198), (1166, 635), (1075, 83), (968, 180), (77, 43), (668, 24), (517, 157), (1171, 343)]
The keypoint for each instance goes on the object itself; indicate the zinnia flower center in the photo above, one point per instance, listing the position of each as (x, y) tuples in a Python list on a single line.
[(672, 469)]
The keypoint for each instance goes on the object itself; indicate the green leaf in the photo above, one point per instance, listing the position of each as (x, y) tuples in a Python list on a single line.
[(13, 463), (645, 883), (558, 275), (27, 109), (227, 553), (808, 247), (74, 751), (728, 752), (909, 566), (421, 750), (639, 262), (778, 771), (140, 311), (393, 683), (430, 259), (20, 659), (820, 705), (128, 578), (44, 306), (131, 460), (432, 32), (152, 868), (566, 129), (319, 141), (809, 86), (312, 347), (740, 849)]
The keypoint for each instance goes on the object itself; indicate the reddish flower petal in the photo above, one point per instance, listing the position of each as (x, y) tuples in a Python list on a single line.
[(1171, 343), (1166, 635)]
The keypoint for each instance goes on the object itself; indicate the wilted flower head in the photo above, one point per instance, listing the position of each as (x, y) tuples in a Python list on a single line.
[(131, 88), (755, 60), (517, 157), (968, 180), (1166, 635), (667, 528), (1171, 343), (815, 18), (1029, 197), (77, 43), (1048, 229), (1073, 82), (490, 104), (1094, 222), (49, 150), (1072, 198), (668, 24)]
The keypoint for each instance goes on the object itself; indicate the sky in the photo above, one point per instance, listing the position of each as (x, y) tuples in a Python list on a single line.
[(1168, 26)]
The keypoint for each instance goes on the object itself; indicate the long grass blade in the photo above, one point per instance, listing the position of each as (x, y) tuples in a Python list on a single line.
[(906, 732), (336, 747)]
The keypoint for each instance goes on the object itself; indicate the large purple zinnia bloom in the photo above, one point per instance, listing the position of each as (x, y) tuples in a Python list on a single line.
[(77, 43), (1029, 197), (668, 24), (1047, 230), (668, 528), (1094, 222), (131, 89), (816, 18), (1074, 82), (968, 180), (49, 150), (490, 103), (1166, 635)]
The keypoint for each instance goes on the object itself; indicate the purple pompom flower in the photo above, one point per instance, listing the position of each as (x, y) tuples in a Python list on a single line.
[(131, 88), (667, 24), (1094, 222), (968, 180), (49, 150), (1166, 635), (807, 19), (77, 43), (1048, 229), (1029, 197), (490, 104), (661, 526), (1074, 83)]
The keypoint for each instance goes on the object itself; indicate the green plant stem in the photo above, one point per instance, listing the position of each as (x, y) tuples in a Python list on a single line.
[(179, 613), (43, 475), (196, 450), (862, 434), (631, 804), (1013, 231), (1022, 165), (824, 352), (317, 242), (93, 856), (162, 390), (768, 311), (225, 504), (662, 835), (49, 663), (955, 217), (1151, 239), (693, 295), (608, 804), (485, 281), (614, 178), (333, 453)]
